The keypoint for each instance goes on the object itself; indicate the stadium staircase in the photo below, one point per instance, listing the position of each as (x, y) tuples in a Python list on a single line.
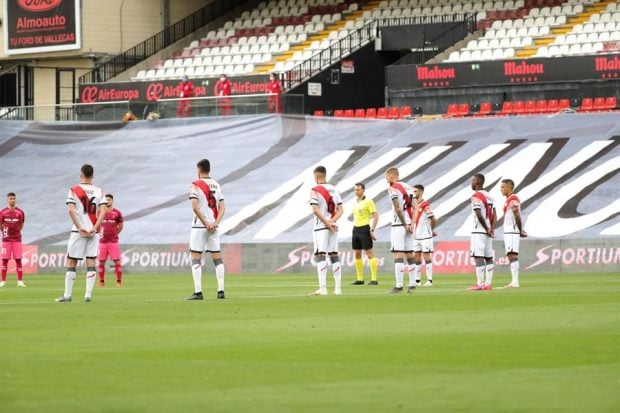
[(580, 18)]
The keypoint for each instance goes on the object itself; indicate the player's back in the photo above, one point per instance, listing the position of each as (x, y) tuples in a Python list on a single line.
[(327, 198), (87, 199), (485, 207), (423, 227), (208, 192), (510, 224), (403, 193)]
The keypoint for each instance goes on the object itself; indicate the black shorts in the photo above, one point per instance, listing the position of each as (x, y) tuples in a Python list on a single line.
[(361, 239)]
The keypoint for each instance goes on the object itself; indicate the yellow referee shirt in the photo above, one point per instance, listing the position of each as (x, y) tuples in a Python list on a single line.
[(362, 211)]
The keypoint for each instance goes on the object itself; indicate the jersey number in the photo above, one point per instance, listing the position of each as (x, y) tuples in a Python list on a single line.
[(90, 207)]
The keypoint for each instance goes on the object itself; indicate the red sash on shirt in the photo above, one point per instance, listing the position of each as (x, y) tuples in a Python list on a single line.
[(483, 198), (211, 201), (421, 208), (81, 194), (331, 206), (511, 197), (406, 197)]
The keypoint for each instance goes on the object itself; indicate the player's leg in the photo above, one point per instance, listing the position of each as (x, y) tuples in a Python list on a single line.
[(512, 253), (332, 248), (6, 255), (428, 259), (374, 266), (320, 252), (17, 251), (489, 264), (114, 249), (398, 249), (416, 275), (92, 248), (411, 267), (213, 246), (356, 243), (103, 256), (76, 250), (476, 250), (197, 244)]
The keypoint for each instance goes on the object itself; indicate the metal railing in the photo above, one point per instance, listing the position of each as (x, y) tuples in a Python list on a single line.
[(160, 41), (163, 109)]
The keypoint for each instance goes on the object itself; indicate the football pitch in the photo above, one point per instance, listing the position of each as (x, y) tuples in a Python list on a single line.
[(551, 346)]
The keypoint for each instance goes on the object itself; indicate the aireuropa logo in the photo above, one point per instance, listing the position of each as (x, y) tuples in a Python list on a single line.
[(38, 5)]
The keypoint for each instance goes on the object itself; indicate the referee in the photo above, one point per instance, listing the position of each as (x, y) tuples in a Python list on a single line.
[(364, 234)]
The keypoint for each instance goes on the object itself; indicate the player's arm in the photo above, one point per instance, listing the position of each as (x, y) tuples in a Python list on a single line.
[(73, 214), (478, 212), (221, 208), (198, 212), (375, 221), (119, 227), (517, 214), (399, 213), (338, 213), (103, 209), (433, 225), (317, 212)]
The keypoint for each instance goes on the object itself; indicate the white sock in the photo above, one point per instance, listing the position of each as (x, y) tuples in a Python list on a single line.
[(399, 273), (69, 280), (337, 275), (490, 268), (321, 269), (417, 271), (91, 277), (219, 274), (197, 275), (514, 271), (429, 271), (480, 275)]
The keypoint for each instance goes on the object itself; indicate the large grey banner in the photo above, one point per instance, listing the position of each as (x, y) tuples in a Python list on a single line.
[(565, 167)]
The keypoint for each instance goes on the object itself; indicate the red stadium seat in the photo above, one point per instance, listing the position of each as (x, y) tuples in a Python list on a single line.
[(349, 113), (405, 112), (564, 104), (360, 113), (453, 109), (586, 105), (519, 107), (552, 106), (339, 113), (611, 103), (463, 109), (382, 113), (485, 109), (319, 113), (599, 104), (507, 108), (541, 106), (371, 113), (394, 112), (530, 107)]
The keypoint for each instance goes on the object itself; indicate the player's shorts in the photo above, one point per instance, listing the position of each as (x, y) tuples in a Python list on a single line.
[(11, 250), (511, 241), (325, 241), (201, 240), (402, 241), (423, 245), (481, 246), (80, 247), (109, 249), (361, 239)]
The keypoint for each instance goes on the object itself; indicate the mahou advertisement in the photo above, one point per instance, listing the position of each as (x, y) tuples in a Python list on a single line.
[(40, 26)]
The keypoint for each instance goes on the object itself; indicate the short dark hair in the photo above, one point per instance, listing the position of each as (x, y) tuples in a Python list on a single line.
[(361, 184), (109, 196), (320, 170), (419, 186), (204, 165), (509, 182), (479, 178), (10, 194), (87, 170)]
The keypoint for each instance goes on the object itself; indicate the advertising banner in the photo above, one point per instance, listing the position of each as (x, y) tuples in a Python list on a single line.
[(487, 73), (41, 26), (151, 91)]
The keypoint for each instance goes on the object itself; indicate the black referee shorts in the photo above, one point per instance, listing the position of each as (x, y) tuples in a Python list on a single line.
[(361, 239)]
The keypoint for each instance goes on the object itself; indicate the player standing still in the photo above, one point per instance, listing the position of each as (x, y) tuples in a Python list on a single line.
[(425, 222), (208, 206), (108, 245), (87, 208), (401, 197), (364, 234), (326, 205), (481, 247), (12, 222), (513, 229)]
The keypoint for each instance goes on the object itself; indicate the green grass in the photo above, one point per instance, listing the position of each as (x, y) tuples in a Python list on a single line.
[(551, 346)]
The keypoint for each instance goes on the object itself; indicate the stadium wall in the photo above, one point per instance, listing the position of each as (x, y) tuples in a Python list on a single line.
[(565, 166)]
